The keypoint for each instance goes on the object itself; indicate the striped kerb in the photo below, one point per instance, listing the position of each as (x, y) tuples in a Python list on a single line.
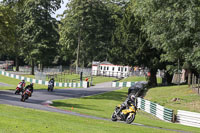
[(152, 108)]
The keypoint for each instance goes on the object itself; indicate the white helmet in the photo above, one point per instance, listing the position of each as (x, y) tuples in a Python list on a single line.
[(132, 97)]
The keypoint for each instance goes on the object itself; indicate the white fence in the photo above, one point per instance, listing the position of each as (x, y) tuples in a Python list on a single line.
[(188, 118)]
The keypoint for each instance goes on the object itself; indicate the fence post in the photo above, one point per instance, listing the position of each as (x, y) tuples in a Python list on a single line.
[(192, 81), (189, 80), (195, 81)]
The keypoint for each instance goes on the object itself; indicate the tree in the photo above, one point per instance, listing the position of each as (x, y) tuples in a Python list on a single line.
[(39, 31), (130, 45), (85, 31), (172, 26), (7, 29)]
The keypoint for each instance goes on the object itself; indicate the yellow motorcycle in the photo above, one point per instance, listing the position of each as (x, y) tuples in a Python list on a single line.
[(126, 114)]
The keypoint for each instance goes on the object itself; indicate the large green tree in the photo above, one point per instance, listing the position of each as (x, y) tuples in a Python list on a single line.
[(130, 45), (7, 29), (86, 31), (39, 31), (172, 26)]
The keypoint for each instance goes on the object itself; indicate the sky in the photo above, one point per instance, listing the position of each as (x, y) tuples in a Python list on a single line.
[(60, 11)]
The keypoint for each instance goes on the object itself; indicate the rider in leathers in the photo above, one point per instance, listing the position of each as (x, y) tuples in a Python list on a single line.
[(130, 101)]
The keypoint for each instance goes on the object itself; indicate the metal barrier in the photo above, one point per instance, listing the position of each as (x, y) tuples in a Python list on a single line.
[(122, 84), (156, 110), (188, 118), (83, 84)]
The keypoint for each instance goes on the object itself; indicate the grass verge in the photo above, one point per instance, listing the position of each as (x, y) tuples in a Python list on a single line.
[(20, 120), (187, 98), (103, 106)]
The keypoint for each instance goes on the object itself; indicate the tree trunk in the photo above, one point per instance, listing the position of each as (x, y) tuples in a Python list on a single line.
[(32, 67), (78, 51), (17, 63), (152, 80)]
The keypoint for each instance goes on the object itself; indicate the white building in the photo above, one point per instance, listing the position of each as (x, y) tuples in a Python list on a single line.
[(107, 69)]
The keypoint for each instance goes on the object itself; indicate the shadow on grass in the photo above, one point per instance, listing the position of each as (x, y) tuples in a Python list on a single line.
[(80, 106)]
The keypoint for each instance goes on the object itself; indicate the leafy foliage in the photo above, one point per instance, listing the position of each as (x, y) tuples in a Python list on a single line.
[(90, 22)]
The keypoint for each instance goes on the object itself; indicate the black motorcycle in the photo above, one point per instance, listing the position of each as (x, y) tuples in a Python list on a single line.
[(50, 86)]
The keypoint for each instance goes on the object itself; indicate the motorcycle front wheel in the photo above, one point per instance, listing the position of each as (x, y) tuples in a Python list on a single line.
[(23, 98), (130, 118), (114, 117), (17, 92)]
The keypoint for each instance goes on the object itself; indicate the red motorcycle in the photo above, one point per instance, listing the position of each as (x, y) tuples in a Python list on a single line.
[(25, 95), (19, 88)]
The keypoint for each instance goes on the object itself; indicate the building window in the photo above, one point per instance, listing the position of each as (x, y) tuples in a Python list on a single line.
[(118, 68), (101, 67), (125, 69), (113, 68), (122, 69), (104, 68), (107, 68)]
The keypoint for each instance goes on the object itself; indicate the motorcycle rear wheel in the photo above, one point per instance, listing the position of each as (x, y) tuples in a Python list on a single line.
[(130, 119)]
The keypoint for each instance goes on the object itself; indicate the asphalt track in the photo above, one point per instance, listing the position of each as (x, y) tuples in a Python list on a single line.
[(41, 98)]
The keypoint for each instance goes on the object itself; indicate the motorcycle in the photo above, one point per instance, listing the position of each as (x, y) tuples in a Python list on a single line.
[(25, 95), (19, 89), (127, 114), (50, 86)]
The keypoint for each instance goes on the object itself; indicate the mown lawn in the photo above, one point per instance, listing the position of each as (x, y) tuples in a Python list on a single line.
[(22, 120), (103, 106), (188, 99), (137, 78)]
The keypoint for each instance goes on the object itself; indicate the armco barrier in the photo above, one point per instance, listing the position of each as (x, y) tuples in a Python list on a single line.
[(42, 82), (156, 110), (122, 84), (188, 118)]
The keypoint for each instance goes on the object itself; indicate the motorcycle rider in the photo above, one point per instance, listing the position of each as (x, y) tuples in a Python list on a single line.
[(52, 81), (22, 83), (30, 87), (130, 101)]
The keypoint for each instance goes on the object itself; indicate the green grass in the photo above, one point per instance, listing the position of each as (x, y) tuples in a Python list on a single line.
[(133, 79), (20, 120), (189, 100), (137, 78), (101, 79), (103, 106), (14, 82)]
